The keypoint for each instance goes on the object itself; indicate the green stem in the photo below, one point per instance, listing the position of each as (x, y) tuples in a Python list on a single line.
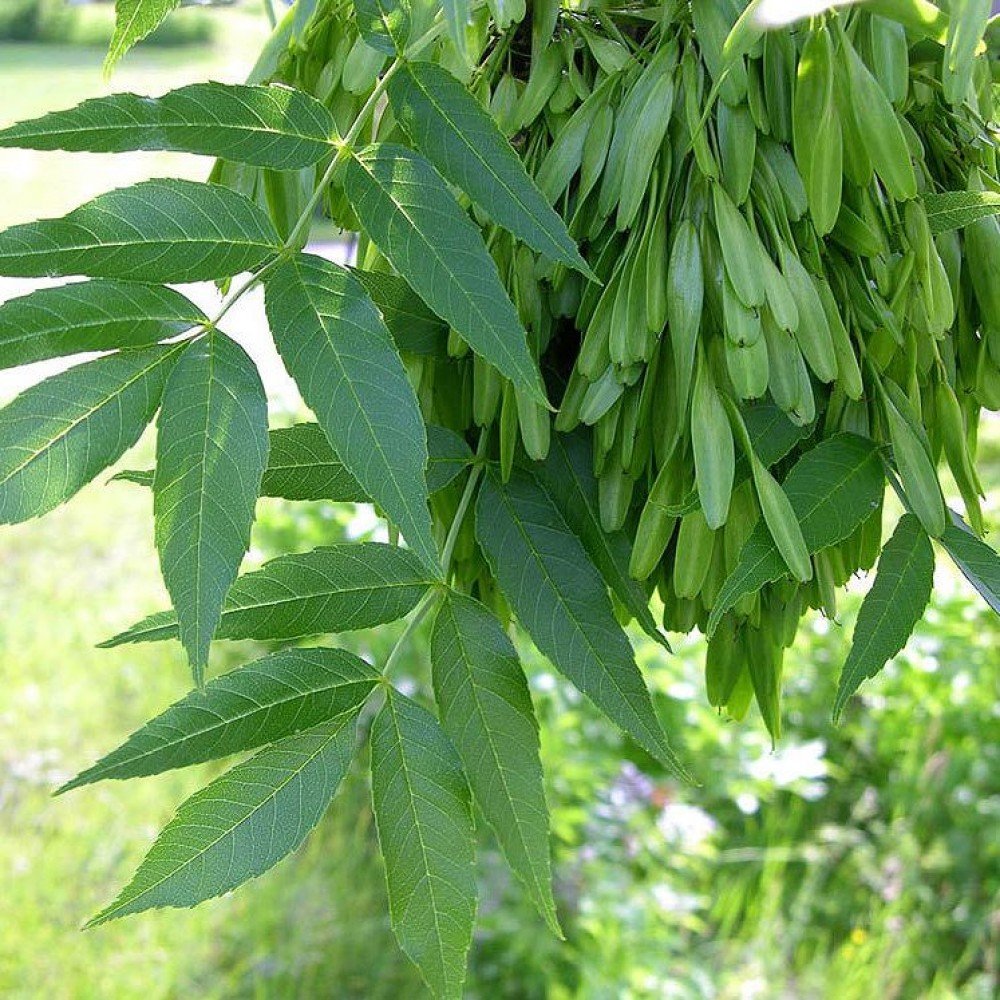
[(427, 602), (272, 19)]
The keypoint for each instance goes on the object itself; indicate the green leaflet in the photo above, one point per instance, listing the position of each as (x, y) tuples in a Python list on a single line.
[(414, 328), (409, 213), (891, 608), (243, 823), (260, 702), (211, 450), (334, 343), (58, 435), (425, 832), (134, 20), (333, 589), (160, 231), (486, 710), (567, 476), (97, 315), (273, 127), (559, 597), (832, 489), (384, 24), (979, 563), (449, 126), (301, 465), (957, 209)]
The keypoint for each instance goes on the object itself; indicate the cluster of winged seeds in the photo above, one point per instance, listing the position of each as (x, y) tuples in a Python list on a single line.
[(778, 297)]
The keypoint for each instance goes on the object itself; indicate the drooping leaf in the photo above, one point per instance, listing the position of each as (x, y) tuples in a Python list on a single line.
[(957, 209), (567, 476), (334, 343), (211, 451), (424, 822), (58, 435), (407, 210), (273, 127), (260, 702), (891, 608), (979, 562), (414, 328), (559, 597), (384, 24), (242, 823), (832, 489), (98, 315), (134, 20), (159, 230), (486, 710), (451, 128), (303, 466), (334, 589)]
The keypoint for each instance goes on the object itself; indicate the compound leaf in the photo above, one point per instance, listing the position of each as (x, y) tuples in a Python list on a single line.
[(424, 821), (99, 315), (451, 128), (486, 710), (978, 562), (560, 598), (273, 127), (408, 211), (892, 607), (334, 343), (58, 435), (243, 823), (159, 231), (334, 589), (260, 702), (210, 456)]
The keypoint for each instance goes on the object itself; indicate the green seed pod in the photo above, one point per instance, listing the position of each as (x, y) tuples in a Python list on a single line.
[(812, 332), (685, 298), (693, 557), (764, 660), (722, 663), (912, 456), (614, 495), (816, 131), (888, 57), (536, 427), (949, 421), (543, 78), (742, 323), (788, 378), (595, 150), (508, 431), (741, 249), (712, 444), (748, 368), (601, 396), (848, 372), (779, 82), (737, 136)]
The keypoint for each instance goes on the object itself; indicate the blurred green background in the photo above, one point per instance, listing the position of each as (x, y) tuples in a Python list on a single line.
[(853, 862)]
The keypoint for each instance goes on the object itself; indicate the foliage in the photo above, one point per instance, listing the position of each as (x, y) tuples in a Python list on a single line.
[(666, 288)]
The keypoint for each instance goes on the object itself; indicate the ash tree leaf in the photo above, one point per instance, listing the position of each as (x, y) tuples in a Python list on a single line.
[(154, 231), (384, 24), (242, 823), (58, 435), (211, 452), (449, 455), (424, 820), (559, 597), (451, 128), (892, 607), (414, 328), (302, 465), (411, 216), (333, 589), (978, 562), (486, 710), (134, 20), (958, 209), (99, 315), (260, 702), (567, 476), (832, 488), (335, 345), (274, 127)]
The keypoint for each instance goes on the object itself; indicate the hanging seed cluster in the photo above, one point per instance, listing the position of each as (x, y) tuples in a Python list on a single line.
[(766, 275)]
